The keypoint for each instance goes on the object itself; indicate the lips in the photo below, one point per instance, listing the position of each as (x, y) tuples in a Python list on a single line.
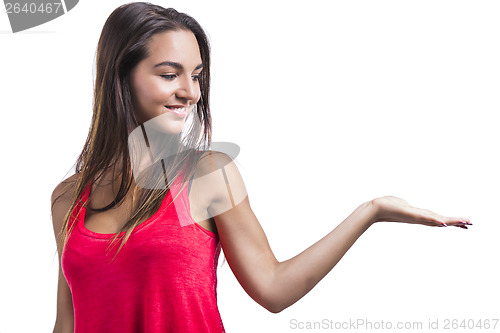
[(179, 110)]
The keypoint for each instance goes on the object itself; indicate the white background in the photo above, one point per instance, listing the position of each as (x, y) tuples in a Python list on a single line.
[(332, 105)]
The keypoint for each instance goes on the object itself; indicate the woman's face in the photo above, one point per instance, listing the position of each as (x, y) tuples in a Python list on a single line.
[(165, 85)]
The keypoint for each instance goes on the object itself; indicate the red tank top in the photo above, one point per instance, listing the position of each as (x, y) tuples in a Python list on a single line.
[(162, 280)]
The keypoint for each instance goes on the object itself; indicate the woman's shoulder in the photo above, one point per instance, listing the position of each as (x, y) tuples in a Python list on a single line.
[(219, 177), (64, 190), (212, 160), (61, 200)]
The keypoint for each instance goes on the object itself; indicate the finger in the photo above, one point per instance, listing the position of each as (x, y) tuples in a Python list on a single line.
[(460, 224), (432, 218), (465, 223), (458, 220), (457, 224)]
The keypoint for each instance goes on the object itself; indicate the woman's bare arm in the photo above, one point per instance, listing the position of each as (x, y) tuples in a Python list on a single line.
[(65, 316), (277, 285), (295, 277), (273, 284)]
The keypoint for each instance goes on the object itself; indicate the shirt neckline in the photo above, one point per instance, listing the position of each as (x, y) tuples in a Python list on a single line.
[(83, 209), (88, 232)]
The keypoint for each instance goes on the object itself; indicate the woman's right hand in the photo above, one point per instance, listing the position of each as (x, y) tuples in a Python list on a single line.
[(394, 209)]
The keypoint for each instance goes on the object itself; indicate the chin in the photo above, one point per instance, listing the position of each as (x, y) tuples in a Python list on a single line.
[(165, 124), (172, 129)]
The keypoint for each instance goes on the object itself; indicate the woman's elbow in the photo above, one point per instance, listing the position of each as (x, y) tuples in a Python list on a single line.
[(272, 303), (275, 309), (265, 298), (271, 307), (274, 306)]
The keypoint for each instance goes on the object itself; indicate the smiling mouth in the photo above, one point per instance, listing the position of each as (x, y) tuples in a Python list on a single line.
[(180, 111)]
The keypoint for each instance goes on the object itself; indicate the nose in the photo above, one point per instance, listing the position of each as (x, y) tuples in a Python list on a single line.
[(188, 89)]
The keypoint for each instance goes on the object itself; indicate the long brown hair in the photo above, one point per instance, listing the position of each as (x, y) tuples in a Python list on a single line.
[(122, 45)]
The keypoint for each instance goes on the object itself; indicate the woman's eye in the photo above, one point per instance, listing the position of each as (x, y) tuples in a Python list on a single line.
[(168, 76), (196, 77)]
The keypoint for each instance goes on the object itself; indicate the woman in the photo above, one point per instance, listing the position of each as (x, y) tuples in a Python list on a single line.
[(145, 176)]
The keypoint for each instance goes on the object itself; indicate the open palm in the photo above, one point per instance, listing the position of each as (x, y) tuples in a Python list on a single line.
[(394, 209)]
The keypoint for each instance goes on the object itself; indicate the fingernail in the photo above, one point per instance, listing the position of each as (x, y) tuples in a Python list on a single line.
[(444, 224)]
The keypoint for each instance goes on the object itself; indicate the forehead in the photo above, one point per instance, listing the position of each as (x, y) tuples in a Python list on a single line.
[(178, 46)]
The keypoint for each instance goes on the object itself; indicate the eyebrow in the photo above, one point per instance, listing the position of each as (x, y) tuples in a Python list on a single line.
[(175, 65)]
